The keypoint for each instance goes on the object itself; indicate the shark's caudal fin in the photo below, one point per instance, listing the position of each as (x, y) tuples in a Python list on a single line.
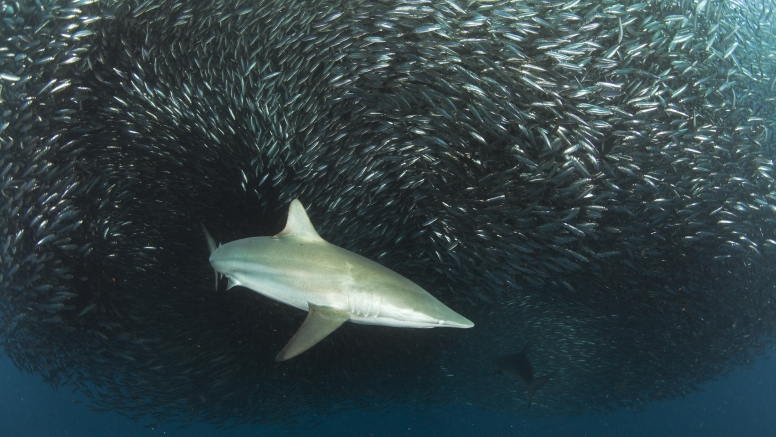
[(211, 244), (534, 385), (320, 322)]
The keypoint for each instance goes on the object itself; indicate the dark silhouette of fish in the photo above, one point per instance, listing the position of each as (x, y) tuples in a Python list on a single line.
[(517, 367)]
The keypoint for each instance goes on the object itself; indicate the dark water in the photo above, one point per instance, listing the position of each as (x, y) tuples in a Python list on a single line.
[(741, 404)]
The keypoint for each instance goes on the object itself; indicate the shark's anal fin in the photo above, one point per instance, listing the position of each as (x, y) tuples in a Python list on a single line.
[(211, 244), (320, 322), (298, 224)]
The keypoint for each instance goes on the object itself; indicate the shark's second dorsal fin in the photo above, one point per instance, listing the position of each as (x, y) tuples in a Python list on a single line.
[(298, 224), (320, 322)]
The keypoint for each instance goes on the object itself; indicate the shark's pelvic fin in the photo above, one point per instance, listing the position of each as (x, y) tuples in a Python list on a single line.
[(320, 322), (534, 385), (211, 244), (298, 224)]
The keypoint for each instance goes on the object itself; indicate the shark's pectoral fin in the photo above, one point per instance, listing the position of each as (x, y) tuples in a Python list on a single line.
[(320, 322)]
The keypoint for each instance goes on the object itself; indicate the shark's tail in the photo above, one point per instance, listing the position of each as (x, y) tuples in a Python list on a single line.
[(534, 385), (211, 244)]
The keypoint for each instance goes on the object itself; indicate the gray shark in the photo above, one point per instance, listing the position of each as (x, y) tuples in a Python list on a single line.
[(297, 267), (517, 367)]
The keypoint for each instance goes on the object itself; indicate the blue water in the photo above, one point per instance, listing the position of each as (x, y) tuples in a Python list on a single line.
[(741, 404)]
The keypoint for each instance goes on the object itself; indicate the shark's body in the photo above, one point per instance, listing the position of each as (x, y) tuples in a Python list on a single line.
[(517, 367), (297, 267)]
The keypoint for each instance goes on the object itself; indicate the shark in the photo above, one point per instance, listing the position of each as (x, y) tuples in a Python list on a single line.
[(517, 367), (334, 285)]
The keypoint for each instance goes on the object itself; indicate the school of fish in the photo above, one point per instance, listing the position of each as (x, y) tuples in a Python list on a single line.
[(595, 178)]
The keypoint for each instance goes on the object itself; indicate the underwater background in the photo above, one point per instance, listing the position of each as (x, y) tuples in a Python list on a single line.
[(741, 404), (590, 182)]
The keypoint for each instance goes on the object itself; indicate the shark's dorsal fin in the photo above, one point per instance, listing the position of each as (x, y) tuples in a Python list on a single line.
[(320, 322), (298, 224)]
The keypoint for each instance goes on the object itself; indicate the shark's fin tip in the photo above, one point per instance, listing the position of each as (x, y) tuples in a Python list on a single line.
[(298, 224), (320, 322)]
